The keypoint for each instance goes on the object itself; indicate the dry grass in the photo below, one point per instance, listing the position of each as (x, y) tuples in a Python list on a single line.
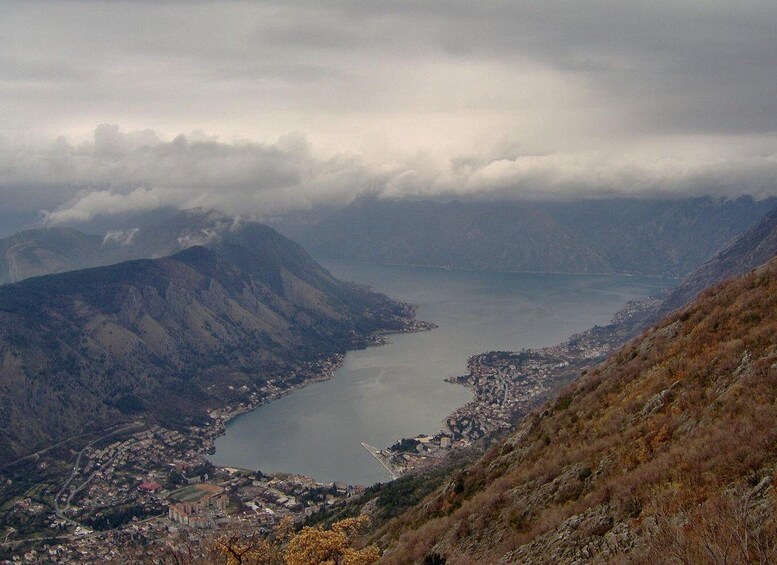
[(653, 437)]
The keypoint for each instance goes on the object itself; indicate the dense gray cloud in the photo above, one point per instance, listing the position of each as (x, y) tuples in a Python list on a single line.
[(121, 173), (489, 98)]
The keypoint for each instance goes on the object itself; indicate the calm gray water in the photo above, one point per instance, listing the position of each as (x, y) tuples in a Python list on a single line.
[(382, 394)]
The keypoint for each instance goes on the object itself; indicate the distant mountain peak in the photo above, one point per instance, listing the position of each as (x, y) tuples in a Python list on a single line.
[(57, 249)]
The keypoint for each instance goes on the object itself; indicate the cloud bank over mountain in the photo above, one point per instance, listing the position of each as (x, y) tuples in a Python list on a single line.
[(117, 173), (487, 99)]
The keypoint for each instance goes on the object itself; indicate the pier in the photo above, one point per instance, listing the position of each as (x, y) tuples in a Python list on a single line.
[(383, 460)]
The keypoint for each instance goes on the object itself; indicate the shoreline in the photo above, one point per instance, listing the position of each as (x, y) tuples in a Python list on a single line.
[(507, 385), (519, 380), (504, 272), (221, 418), (153, 455)]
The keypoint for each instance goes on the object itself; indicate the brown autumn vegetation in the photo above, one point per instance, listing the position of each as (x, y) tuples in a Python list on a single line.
[(309, 546), (665, 453)]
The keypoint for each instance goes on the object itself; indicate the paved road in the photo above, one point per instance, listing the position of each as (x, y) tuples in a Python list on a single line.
[(76, 466), (44, 450)]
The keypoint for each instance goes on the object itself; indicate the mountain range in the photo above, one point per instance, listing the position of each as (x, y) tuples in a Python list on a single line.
[(91, 346), (663, 452), (169, 338), (628, 236)]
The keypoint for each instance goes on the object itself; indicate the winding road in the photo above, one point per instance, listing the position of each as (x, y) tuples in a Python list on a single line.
[(60, 511)]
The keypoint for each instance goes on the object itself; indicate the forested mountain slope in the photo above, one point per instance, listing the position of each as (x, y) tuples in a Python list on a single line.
[(167, 338)]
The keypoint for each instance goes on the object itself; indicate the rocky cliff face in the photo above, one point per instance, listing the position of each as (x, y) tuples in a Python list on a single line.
[(167, 338), (664, 453)]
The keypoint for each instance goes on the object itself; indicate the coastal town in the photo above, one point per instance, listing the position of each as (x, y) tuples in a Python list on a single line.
[(148, 487), (175, 517), (153, 486), (128, 487), (506, 386)]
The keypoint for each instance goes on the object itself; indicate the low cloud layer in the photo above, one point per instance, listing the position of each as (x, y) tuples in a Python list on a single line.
[(121, 173), (484, 99)]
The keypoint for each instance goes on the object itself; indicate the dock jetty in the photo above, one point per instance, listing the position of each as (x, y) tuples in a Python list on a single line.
[(383, 460)]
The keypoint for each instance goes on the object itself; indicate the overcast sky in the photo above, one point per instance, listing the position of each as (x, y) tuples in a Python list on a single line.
[(262, 107)]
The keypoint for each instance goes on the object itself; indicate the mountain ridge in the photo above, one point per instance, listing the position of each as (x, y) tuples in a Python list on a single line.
[(753, 248), (626, 236), (668, 431), (166, 337), (51, 250)]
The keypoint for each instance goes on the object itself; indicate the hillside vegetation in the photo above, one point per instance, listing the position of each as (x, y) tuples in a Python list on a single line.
[(169, 338), (665, 453)]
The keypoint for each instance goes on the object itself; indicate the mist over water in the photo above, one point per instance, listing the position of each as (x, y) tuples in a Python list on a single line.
[(382, 394)]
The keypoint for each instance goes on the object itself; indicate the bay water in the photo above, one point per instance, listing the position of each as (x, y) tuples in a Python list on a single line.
[(382, 394)]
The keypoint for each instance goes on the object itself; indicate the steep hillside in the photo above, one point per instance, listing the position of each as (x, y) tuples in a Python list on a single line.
[(168, 338), (746, 252), (665, 453), (648, 237)]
